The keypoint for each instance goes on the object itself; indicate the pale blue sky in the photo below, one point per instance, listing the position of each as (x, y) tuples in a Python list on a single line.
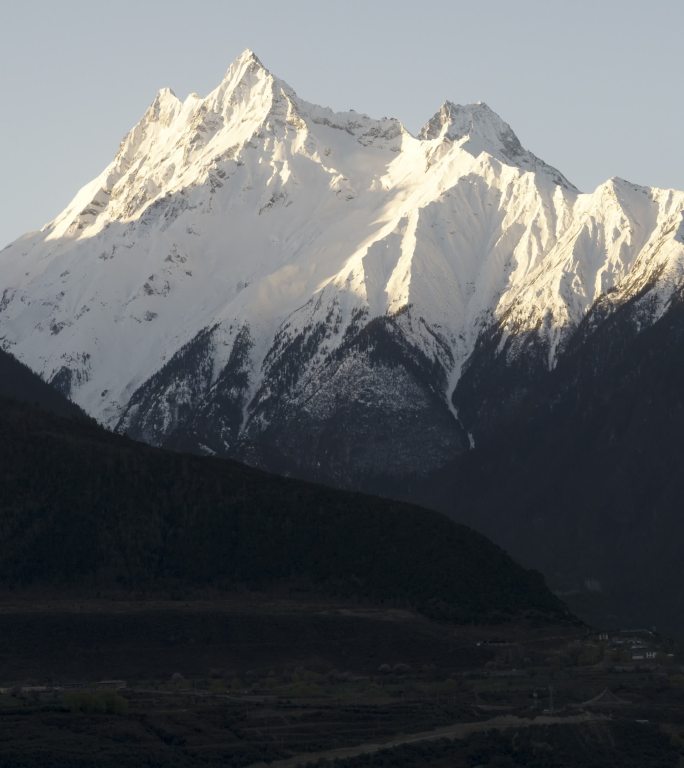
[(593, 87)]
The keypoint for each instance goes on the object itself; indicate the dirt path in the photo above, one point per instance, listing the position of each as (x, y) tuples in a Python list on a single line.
[(456, 731)]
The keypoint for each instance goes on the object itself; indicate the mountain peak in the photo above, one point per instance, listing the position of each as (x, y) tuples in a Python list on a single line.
[(477, 123), (249, 56), (478, 128), (246, 62), (245, 74), (165, 99)]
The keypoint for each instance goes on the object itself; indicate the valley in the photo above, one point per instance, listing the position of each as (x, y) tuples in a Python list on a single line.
[(256, 679)]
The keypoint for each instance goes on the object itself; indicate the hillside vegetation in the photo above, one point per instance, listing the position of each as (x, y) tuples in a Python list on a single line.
[(82, 506)]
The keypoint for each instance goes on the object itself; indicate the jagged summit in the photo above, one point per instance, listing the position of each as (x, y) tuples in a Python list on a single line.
[(165, 107), (246, 69), (246, 62), (476, 128), (456, 121), (249, 56), (250, 95), (166, 94)]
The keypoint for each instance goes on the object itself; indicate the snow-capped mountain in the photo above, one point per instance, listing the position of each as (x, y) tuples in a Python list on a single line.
[(254, 275)]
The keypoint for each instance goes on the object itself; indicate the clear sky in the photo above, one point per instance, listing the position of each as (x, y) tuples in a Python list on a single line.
[(594, 87)]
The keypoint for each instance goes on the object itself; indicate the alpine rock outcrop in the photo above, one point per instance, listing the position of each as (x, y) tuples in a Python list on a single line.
[(323, 293)]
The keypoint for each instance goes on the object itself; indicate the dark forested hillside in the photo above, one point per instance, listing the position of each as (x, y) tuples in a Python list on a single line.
[(586, 480), (80, 505)]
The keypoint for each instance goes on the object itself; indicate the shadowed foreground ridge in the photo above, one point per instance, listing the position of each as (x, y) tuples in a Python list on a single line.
[(80, 505), (19, 382)]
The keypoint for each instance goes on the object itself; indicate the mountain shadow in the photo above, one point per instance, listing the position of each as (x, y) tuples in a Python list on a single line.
[(581, 476)]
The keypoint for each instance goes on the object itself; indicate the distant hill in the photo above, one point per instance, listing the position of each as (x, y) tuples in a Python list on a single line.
[(79, 505)]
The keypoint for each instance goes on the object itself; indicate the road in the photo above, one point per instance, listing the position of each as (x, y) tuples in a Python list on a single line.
[(455, 731)]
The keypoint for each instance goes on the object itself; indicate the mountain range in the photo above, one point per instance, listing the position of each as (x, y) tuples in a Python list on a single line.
[(326, 295)]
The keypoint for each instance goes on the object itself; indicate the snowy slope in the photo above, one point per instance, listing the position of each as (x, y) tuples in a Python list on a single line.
[(251, 266)]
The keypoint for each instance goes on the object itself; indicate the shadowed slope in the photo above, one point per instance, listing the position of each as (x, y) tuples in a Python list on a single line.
[(80, 505)]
